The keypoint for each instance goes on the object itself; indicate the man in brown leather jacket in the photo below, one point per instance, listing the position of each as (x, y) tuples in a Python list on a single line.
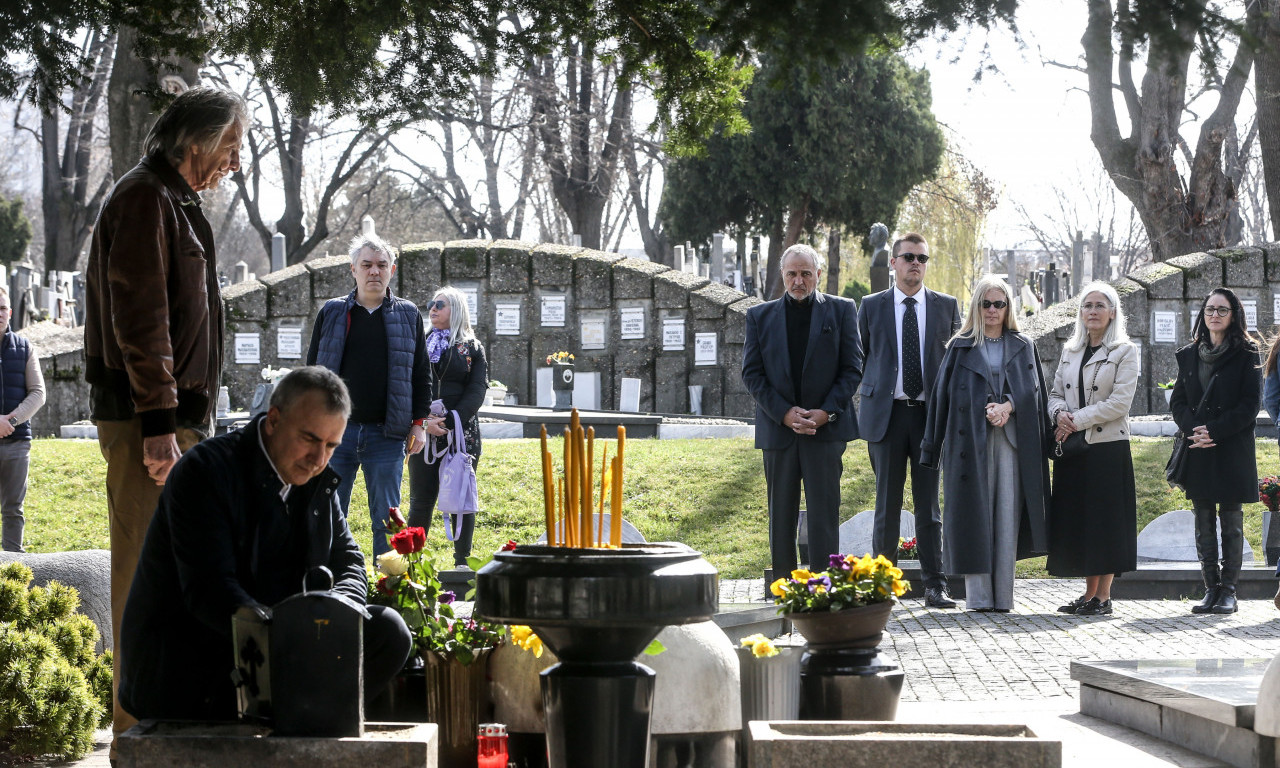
[(153, 327)]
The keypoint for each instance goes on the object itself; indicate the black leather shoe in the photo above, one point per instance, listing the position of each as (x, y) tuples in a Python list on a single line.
[(937, 597), (1094, 607), (1072, 606), (1226, 602), (1210, 600)]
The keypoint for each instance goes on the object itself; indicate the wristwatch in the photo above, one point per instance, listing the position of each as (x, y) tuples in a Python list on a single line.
[(13, 421), (831, 417)]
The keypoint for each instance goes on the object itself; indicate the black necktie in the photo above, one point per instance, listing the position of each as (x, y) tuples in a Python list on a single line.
[(912, 376)]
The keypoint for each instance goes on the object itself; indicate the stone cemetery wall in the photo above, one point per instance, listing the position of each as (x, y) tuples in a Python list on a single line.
[(620, 317), (1160, 303)]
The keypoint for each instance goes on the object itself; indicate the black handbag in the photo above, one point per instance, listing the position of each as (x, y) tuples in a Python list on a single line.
[(1075, 444), (1175, 470)]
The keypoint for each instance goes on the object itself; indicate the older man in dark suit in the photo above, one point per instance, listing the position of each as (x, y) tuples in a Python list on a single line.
[(904, 332), (801, 362)]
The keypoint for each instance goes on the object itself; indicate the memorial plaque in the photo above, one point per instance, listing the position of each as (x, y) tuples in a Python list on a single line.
[(631, 322), (1164, 327), (506, 319), (472, 293), (1250, 313), (704, 349), (673, 334), (593, 334), (248, 348), (289, 343), (553, 311)]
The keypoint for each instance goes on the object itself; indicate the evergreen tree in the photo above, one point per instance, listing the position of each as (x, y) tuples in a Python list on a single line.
[(15, 231)]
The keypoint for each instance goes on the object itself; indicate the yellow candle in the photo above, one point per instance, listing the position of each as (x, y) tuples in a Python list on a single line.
[(570, 494), (548, 502), (604, 466), (615, 509), (584, 493)]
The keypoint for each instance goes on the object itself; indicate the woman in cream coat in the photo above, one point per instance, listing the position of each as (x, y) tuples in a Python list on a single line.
[(1093, 518)]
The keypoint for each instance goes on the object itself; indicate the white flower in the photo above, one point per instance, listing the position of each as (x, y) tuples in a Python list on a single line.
[(392, 564)]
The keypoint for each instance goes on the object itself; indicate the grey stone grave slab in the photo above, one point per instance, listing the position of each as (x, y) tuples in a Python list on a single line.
[(1171, 537), (785, 744), (1206, 705), (163, 744), (630, 534), (87, 570), (855, 533)]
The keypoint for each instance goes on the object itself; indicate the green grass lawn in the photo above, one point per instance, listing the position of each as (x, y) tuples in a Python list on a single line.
[(708, 494)]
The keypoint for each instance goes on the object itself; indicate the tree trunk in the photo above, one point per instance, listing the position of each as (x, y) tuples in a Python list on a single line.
[(132, 111), (1179, 217), (1267, 79), (833, 262), (773, 269)]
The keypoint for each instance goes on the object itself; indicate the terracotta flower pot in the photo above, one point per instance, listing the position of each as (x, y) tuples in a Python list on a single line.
[(849, 628)]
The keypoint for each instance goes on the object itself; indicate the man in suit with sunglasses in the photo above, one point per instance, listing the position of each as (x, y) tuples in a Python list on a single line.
[(904, 332)]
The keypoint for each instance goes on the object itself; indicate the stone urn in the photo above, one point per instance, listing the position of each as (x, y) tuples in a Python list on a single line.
[(562, 384), (843, 674), (597, 610)]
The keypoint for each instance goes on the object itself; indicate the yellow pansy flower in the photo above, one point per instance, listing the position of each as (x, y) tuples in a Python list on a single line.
[(778, 586)]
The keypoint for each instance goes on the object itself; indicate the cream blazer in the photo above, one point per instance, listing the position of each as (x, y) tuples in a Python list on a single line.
[(1110, 380)]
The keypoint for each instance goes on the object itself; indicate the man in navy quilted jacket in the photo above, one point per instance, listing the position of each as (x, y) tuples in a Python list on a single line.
[(374, 340)]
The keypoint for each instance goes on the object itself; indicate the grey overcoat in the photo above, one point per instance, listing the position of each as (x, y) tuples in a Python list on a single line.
[(955, 439)]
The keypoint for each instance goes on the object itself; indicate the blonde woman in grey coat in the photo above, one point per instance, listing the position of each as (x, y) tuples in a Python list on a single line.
[(1093, 525), (987, 427)]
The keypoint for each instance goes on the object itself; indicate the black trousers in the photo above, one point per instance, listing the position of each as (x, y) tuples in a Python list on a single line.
[(424, 488), (889, 459), (1232, 516), (387, 645), (818, 465)]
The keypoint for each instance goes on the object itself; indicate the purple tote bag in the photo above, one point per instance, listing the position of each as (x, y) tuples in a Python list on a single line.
[(458, 494)]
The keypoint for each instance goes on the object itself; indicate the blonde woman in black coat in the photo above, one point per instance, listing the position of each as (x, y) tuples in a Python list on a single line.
[(987, 425), (1221, 472)]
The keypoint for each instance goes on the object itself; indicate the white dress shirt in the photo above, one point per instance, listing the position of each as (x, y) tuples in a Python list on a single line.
[(899, 309)]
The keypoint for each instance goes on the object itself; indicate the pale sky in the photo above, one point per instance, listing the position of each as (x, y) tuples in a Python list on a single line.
[(1025, 125)]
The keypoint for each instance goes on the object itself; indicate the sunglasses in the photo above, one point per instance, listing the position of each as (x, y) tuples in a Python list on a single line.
[(1219, 311), (437, 304), (997, 304), (923, 258)]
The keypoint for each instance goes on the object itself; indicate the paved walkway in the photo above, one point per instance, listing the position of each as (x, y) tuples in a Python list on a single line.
[(1015, 667)]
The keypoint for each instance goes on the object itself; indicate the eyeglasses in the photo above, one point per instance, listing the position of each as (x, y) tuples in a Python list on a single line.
[(997, 304), (1095, 307), (1219, 311), (923, 258), (437, 304)]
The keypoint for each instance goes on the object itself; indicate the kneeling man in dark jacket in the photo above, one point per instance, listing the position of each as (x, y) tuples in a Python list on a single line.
[(242, 519)]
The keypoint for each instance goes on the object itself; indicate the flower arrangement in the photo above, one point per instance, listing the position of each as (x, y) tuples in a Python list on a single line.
[(761, 647), (907, 549), (274, 374), (849, 582), (1269, 492), (1167, 384), (410, 584), (561, 357)]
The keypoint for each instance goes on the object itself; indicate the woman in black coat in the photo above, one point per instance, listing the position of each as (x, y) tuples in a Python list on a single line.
[(1221, 470), (987, 425), (459, 378)]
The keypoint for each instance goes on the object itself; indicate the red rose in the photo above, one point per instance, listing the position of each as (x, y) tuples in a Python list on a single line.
[(384, 587), (396, 519), (510, 545), (418, 537), (402, 541)]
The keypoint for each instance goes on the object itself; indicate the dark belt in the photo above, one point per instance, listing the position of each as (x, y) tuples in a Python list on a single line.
[(910, 403)]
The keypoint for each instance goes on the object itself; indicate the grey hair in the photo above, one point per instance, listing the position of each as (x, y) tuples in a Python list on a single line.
[(972, 328), (460, 330), (362, 241), (312, 378), (199, 118), (1115, 333), (819, 263)]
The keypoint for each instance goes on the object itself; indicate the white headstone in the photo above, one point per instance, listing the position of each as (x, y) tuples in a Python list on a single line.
[(277, 252), (546, 395), (629, 400), (1171, 537), (586, 390), (857, 533)]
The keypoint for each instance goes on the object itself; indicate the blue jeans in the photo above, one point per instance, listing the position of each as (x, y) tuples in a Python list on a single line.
[(382, 459)]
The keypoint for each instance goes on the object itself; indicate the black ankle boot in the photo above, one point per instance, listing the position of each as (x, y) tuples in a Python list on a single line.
[(1210, 600), (1226, 602)]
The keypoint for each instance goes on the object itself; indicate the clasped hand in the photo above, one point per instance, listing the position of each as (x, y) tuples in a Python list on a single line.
[(1199, 438), (804, 421), (998, 413), (1066, 425)]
